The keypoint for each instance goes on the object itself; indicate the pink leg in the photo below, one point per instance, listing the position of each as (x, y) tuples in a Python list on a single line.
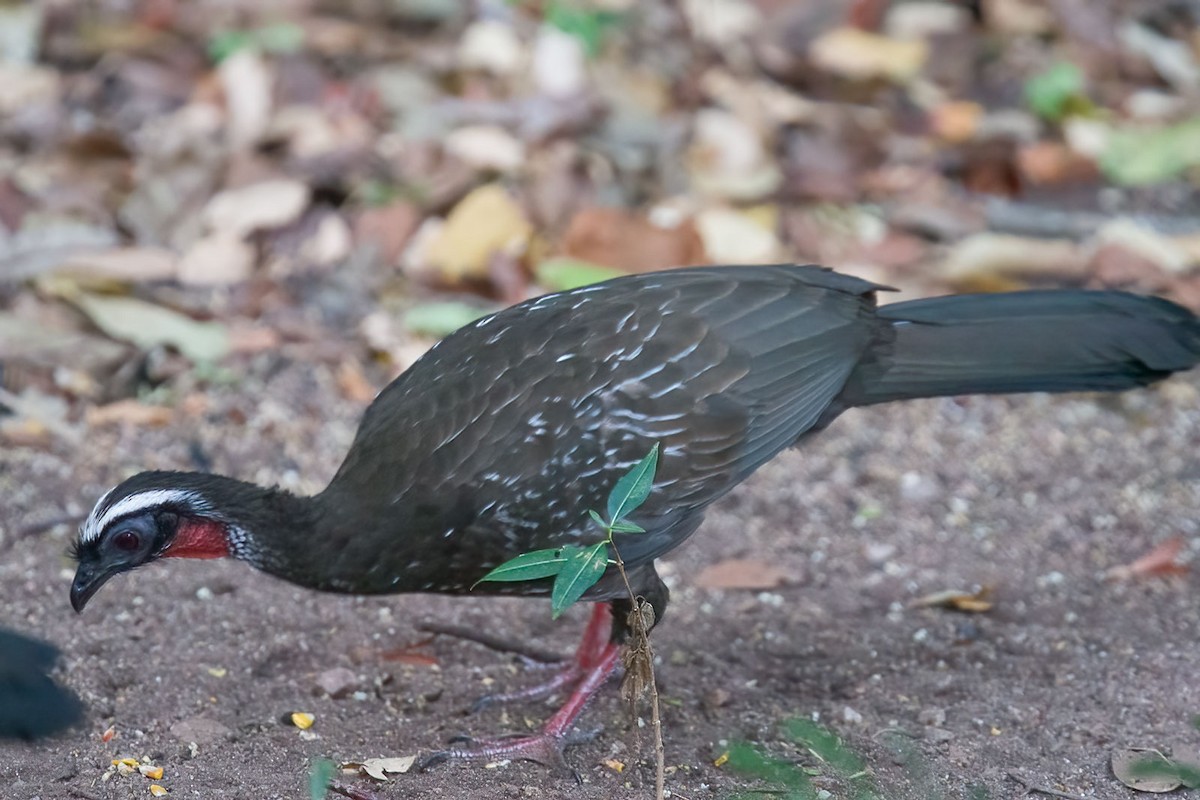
[(546, 746), (591, 647), (595, 661)]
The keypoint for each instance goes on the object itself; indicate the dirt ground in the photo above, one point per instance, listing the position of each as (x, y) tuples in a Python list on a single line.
[(1034, 496)]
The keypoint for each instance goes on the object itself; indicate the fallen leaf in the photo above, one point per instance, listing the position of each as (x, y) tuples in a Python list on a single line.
[(441, 319), (997, 262), (957, 600), (739, 237), (490, 45), (485, 222), (860, 55), (379, 768), (741, 573), (354, 384), (409, 655), (246, 82), (220, 258), (1162, 560), (560, 274), (631, 243), (727, 158), (128, 412), (147, 325), (131, 264), (259, 206), (956, 121), (1145, 770), (388, 228), (486, 147)]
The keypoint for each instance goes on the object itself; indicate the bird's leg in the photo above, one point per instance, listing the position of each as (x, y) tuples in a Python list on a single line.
[(546, 746), (591, 649)]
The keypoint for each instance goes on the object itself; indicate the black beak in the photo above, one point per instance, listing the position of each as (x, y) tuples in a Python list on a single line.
[(88, 581)]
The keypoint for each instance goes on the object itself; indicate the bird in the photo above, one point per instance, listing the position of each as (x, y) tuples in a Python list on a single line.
[(32, 705), (503, 436)]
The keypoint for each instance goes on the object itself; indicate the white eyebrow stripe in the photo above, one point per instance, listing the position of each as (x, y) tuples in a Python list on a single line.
[(142, 501)]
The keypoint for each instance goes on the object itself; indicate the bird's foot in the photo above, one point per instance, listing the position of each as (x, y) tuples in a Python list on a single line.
[(592, 649), (546, 748)]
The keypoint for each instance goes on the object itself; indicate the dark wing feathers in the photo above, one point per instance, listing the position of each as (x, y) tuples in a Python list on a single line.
[(541, 408)]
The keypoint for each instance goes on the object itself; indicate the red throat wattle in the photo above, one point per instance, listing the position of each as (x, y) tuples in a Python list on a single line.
[(199, 538)]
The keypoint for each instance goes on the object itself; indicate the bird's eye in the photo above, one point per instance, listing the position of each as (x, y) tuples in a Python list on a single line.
[(127, 540)]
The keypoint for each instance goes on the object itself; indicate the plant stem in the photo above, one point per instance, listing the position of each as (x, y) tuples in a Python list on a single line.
[(643, 635)]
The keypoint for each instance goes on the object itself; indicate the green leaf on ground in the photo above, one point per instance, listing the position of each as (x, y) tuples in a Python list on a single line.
[(583, 567), (147, 325), (320, 774), (1057, 92), (633, 488), (1143, 157), (442, 319), (561, 274), (528, 566)]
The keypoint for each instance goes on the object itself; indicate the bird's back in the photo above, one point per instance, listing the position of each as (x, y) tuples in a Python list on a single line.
[(502, 437)]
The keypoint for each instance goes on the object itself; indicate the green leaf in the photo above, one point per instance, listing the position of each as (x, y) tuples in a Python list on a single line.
[(634, 487), (748, 760), (584, 567), (587, 25), (528, 566), (320, 774), (1056, 92), (560, 274), (147, 325), (599, 520), (1142, 157), (626, 527), (441, 319)]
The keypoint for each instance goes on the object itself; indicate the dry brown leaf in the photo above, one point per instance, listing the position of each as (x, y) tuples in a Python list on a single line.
[(354, 384), (252, 338), (957, 600), (121, 264), (246, 82), (485, 222), (740, 237), (409, 655), (631, 243), (860, 55), (222, 257), (1162, 560), (741, 573), (956, 121), (129, 412), (379, 768), (388, 228), (259, 206), (996, 262)]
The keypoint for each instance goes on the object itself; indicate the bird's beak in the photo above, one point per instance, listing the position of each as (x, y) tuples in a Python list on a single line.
[(88, 580)]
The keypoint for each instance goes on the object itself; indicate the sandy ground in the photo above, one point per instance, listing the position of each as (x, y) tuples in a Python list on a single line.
[(196, 664)]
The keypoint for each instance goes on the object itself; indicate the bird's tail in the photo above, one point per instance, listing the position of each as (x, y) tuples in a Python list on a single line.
[(1057, 341)]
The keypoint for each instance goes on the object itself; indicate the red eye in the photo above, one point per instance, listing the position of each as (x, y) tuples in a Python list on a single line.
[(127, 541)]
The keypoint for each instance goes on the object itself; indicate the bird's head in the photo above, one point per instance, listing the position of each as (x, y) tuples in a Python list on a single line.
[(147, 517)]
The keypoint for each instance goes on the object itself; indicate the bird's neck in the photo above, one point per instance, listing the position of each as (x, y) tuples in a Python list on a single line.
[(258, 525)]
